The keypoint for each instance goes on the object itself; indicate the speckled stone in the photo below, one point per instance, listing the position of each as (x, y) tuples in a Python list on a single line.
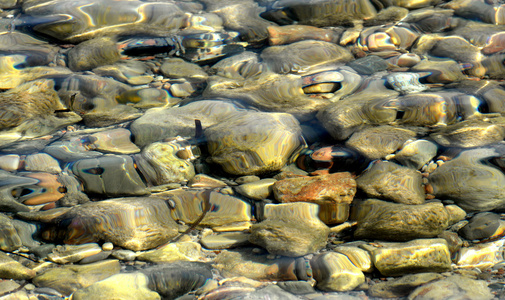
[(417, 256)]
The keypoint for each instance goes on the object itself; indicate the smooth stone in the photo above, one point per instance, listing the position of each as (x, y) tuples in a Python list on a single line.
[(164, 163), (188, 205), (390, 181), (453, 287), (119, 286), (175, 279), (378, 142), (291, 229), (335, 272), (254, 266), (472, 184), (27, 232), (481, 256), (69, 278), (93, 53), (471, 133), (64, 254), (12, 269), (42, 162), (247, 179), (369, 65), (10, 162), (205, 181), (417, 256), (296, 287), (456, 213), (403, 286), (95, 258), (123, 254), (481, 226), (257, 190), (416, 154), (179, 251), (116, 140), (9, 237), (107, 246), (333, 193), (159, 123), (287, 34), (178, 68), (225, 240), (146, 223), (253, 143), (398, 222), (359, 257)]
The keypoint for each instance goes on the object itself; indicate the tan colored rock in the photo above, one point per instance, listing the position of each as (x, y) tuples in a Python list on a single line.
[(336, 273), (69, 278), (453, 287), (11, 269), (290, 229), (119, 286), (253, 143), (359, 257), (254, 266), (403, 286), (390, 181), (333, 193), (189, 251), (225, 240), (257, 190), (145, 223), (417, 256), (389, 221)]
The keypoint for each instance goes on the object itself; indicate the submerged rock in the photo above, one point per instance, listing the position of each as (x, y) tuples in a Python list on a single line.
[(291, 229), (398, 222), (417, 256), (145, 223), (252, 143)]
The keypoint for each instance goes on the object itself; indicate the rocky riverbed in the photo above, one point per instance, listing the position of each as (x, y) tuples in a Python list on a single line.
[(252, 149)]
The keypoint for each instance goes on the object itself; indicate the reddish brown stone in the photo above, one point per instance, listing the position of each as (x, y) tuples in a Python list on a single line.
[(333, 192), (336, 187)]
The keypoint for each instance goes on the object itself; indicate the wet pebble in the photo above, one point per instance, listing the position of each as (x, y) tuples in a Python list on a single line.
[(481, 226), (256, 190)]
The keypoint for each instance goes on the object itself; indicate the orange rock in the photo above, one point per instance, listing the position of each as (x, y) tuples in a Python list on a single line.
[(333, 192)]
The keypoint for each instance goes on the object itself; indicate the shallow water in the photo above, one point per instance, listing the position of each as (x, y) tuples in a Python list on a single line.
[(278, 103)]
